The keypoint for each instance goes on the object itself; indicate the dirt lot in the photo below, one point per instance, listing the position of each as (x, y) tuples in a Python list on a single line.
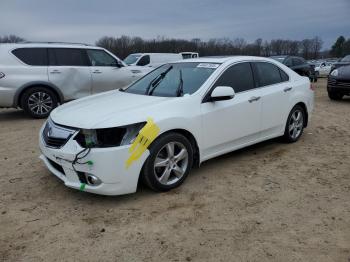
[(269, 202)]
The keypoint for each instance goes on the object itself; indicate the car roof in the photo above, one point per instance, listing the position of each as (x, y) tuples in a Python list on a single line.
[(47, 45), (154, 54), (224, 59)]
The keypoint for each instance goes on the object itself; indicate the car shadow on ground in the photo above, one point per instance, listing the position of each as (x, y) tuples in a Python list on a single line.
[(13, 115), (143, 192)]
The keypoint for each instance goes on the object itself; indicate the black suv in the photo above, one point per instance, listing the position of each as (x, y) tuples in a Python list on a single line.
[(299, 65)]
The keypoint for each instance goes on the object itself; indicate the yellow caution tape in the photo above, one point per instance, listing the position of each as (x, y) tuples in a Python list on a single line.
[(145, 137)]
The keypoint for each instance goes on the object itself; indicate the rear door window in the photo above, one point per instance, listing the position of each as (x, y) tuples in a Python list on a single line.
[(239, 77), (267, 74), (68, 57), (32, 56)]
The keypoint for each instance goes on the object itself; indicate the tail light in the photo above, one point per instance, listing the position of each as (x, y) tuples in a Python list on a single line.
[(2, 75), (312, 87)]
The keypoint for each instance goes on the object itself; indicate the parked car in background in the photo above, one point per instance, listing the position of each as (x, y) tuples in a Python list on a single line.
[(338, 84), (151, 59), (176, 117), (342, 62), (299, 65), (323, 68), (39, 76), (188, 55)]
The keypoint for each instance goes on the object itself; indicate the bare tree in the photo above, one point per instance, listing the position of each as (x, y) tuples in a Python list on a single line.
[(11, 39)]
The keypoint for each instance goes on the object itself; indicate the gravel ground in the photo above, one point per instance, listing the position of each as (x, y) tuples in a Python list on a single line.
[(269, 202)]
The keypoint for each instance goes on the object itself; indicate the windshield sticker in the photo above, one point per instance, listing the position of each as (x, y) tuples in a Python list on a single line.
[(208, 65), (145, 137)]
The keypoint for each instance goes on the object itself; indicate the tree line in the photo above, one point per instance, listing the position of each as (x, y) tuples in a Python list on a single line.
[(341, 47), (310, 48), (124, 45)]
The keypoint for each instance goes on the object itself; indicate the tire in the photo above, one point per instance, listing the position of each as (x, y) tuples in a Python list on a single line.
[(171, 172), (295, 124), (38, 102), (334, 96)]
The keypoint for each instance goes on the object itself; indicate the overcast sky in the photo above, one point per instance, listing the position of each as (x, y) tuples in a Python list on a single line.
[(88, 20)]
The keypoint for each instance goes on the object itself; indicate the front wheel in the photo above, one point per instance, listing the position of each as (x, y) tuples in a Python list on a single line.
[(38, 102), (170, 161), (295, 124), (334, 96)]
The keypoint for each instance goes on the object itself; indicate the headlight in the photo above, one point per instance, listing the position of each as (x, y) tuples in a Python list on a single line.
[(109, 137), (334, 72)]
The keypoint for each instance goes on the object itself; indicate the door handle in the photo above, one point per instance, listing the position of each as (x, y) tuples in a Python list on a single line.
[(97, 72), (254, 98), (55, 71), (287, 89)]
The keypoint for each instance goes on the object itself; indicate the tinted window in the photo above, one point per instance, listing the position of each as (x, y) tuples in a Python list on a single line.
[(68, 57), (32, 56), (145, 60), (297, 61), (288, 62), (267, 74), (101, 58), (284, 76), (239, 77)]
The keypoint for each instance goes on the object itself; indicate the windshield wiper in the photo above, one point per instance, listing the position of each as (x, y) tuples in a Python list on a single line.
[(180, 88), (156, 81)]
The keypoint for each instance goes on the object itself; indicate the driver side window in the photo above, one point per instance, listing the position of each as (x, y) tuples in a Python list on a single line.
[(239, 77), (101, 58)]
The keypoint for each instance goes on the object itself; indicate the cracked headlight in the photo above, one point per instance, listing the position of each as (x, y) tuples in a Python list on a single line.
[(109, 137)]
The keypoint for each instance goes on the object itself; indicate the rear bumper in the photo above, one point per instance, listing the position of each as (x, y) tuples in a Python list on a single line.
[(339, 86)]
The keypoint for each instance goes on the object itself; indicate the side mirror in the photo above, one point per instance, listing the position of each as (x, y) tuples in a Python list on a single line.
[(221, 93)]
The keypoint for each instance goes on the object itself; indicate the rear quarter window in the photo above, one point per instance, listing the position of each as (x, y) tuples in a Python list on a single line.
[(32, 56)]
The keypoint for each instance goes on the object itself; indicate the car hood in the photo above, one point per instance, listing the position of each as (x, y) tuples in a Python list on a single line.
[(110, 109)]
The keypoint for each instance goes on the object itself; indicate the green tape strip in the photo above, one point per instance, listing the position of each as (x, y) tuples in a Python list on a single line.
[(82, 186)]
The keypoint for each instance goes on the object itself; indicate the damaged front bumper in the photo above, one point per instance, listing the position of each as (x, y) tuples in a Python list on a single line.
[(106, 164)]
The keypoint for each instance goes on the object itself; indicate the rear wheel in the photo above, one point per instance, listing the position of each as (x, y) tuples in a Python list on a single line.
[(170, 161), (295, 124), (38, 102)]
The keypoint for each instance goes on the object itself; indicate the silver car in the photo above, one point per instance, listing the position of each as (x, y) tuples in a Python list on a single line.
[(39, 76)]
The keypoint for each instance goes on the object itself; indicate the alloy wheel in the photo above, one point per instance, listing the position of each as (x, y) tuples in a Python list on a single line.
[(296, 124), (40, 103), (171, 163)]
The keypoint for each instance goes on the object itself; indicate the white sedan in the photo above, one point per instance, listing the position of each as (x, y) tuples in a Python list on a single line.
[(171, 120)]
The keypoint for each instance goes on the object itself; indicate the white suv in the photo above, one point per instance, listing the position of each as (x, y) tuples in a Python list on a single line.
[(38, 76)]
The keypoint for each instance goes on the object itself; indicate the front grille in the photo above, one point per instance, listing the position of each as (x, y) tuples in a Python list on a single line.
[(56, 136)]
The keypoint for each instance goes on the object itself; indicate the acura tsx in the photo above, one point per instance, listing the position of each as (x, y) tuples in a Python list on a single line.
[(171, 120)]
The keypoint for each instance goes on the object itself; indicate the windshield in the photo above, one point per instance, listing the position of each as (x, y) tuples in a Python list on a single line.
[(168, 79), (278, 58), (131, 59), (346, 59)]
